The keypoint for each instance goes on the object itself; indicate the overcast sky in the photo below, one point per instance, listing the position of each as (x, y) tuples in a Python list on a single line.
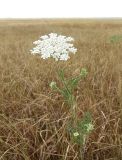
[(60, 8)]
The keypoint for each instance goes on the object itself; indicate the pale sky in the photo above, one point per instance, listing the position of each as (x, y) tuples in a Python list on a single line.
[(60, 8)]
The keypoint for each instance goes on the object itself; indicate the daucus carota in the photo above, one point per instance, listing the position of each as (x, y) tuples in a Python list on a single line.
[(54, 46)]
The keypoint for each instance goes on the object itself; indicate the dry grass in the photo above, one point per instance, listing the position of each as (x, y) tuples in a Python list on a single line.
[(33, 118)]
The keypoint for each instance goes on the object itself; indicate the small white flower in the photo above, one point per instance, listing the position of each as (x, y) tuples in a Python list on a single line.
[(69, 39), (76, 134), (53, 85), (64, 57), (55, 46), (44, 37), (90, 127), (73, 50)]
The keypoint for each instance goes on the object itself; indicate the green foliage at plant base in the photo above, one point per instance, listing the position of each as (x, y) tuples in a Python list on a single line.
[(81, 130)]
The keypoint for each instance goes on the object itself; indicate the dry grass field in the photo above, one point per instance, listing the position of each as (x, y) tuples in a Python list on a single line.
[(33, 117)]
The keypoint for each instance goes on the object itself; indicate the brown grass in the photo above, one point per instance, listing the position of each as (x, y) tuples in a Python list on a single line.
[(33, 118)]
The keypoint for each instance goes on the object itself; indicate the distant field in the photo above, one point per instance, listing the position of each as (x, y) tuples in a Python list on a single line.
[(32, 117)]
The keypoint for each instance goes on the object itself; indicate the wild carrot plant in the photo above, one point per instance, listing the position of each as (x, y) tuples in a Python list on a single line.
[(60, 47)]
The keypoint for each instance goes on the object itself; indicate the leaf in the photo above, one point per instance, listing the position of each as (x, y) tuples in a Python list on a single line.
[(84, 123), (65, 93), (72, 83), (83, 72), (61, 74)]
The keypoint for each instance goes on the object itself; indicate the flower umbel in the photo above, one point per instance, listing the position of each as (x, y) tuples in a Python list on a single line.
[(89, 126), (76, 134), (55, 46), (53, 85)]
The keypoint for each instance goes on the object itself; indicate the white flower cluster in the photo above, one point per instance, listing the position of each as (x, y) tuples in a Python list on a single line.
[(90, 127), (55, 46), (76, 134)]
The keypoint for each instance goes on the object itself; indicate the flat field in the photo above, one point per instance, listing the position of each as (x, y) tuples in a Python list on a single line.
[(33, 118)]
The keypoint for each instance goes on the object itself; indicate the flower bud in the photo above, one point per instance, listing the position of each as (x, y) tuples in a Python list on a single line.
[(76, 134), (83, 72), (53, 85), (89, 127)]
